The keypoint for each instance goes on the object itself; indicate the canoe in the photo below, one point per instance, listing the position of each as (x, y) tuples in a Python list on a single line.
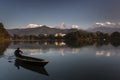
[(32, 61), (34, 68)]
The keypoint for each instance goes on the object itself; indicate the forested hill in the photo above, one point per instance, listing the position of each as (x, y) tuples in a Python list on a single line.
[(4, 35), (39, 30)]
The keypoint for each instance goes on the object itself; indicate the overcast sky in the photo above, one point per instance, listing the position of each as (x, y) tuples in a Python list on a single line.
[(84, 13)]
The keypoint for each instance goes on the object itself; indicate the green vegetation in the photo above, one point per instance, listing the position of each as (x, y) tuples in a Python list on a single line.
[(99, 38), (76, 38), (115, 38), (4, 36), (3, 47), (88, 36), (80, 36), (36, 38)]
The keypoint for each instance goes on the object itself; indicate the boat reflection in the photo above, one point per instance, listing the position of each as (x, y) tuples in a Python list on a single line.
[(35, 68)]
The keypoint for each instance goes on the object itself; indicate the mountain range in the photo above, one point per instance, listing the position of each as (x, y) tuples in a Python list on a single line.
[(106, 27), (34, 29), (39, 30)]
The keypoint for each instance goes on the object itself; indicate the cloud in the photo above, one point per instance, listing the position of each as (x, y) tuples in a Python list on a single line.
[(64, 26), (75, 26), (31, 26), (106, 24), (100, 24)]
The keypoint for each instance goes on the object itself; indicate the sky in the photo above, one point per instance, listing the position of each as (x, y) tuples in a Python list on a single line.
[(84, 13)]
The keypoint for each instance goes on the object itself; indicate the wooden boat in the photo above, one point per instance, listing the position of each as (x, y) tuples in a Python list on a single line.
[(32, 61), (34, 68)]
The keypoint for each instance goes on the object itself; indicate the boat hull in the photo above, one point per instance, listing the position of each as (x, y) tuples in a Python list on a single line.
[(35, 68), (32, 61)]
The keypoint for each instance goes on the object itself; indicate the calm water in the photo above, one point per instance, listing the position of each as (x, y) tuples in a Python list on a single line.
[(90, 62)]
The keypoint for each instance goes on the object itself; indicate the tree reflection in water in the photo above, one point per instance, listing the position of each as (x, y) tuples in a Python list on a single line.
[(3, 47), (33, 47)]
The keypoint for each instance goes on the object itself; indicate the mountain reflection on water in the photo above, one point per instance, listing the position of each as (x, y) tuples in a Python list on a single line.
[(35, 47), (42, 47), (67, 61)]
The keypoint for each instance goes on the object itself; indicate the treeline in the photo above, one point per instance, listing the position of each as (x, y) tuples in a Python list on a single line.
[(37, 37), (73, 36), (77, 37), (98, 37), (88, 36), (4, 36)]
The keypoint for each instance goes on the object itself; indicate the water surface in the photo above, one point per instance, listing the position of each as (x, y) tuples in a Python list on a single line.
[(89, 62)]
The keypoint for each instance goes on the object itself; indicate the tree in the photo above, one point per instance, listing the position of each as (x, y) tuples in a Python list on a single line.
[(115, 38), (3, 33)]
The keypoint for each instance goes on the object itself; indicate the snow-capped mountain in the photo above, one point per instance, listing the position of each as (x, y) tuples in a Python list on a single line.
[(61, 26), (106, 27), (36, 30), (32, 26), (64, 26)]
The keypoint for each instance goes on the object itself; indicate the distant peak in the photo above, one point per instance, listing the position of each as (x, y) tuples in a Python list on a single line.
[(61, 26), (64, 26), (32, 26), (105, 25)]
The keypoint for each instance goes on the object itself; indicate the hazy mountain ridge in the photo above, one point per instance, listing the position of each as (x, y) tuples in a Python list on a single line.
[(107, 27), (35, 29), (39, 30), (104, 29)]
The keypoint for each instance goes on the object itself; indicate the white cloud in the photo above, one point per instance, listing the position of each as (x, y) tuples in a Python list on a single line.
[(100, 24), (75, 26), (110, 23), (61, 26), (64, 26), (31, 26), (106, 24)]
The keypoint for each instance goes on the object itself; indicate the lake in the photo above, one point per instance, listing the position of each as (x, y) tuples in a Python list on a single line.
[(66, 62)]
